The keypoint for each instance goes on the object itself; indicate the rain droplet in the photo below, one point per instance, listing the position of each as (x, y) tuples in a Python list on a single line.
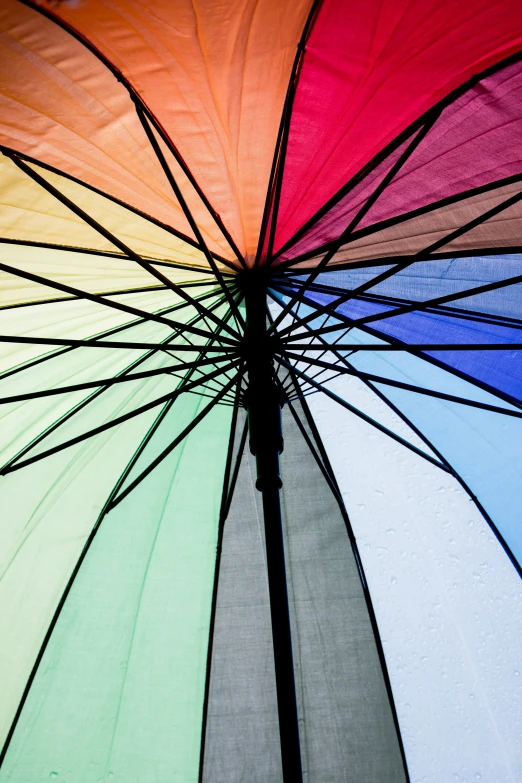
[(516, 673), (393, 580), (471, 695), (478, 776), (390, 531), (53, 774)]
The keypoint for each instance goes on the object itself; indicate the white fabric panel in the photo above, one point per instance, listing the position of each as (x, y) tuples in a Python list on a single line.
[(447, 599)]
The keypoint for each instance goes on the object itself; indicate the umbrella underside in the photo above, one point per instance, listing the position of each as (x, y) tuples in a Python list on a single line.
[(222, 226)]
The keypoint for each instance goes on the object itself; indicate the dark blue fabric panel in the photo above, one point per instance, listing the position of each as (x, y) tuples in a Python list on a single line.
[(501, 370), (425, 280)]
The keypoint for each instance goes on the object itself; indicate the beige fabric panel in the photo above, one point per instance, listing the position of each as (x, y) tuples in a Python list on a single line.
[(414, 235)]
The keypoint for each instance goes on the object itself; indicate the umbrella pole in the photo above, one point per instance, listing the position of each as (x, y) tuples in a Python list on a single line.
[(266, 443)]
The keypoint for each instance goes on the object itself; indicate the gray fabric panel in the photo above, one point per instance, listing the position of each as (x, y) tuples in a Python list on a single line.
[(242, 736), (346, 722)]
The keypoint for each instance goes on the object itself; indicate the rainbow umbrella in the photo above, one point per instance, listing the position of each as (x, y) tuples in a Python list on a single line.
[(225, 224)]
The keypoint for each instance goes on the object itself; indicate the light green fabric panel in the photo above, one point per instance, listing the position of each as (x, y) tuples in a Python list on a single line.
[(118, 696), (48, 510)]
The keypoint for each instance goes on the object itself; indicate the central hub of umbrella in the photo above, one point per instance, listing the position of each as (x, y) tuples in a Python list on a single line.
[(264, 396)]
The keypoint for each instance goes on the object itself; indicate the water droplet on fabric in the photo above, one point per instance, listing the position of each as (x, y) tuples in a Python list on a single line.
[(393, 580), (516, 673), (53, 774)]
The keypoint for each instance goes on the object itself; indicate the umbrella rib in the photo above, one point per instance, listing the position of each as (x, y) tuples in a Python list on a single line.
[(387, 179), (402, 218), (426, 251), (74, 410), (440, 300), (179, 327), (365, 417), (275, 182), (146, 121), (417, 349), (454, 312), (435, 361), (96, 342), (413, 307), (215, 216), (194, 226), (120, 419), (177, 440), (199, 270), (9, 152), (127, 251), (350, 370), (289, 338), (217, 568), (111, 381)]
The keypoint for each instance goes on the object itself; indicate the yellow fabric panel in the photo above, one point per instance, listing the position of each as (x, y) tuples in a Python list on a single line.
[(29, 213), (225, 68), (88, 272), (61, 105)]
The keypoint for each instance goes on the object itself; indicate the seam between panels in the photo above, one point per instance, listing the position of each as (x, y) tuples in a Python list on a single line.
[(364, 584), (74, 574)]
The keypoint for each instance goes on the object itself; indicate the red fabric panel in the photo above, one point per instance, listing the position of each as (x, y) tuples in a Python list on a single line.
[(369, 71), (476, 140)]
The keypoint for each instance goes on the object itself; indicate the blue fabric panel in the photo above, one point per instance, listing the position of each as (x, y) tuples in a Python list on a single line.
[(500, 370), (429, 279), (484, 448)]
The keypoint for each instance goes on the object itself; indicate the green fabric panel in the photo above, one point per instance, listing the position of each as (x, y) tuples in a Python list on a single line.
[(118, 696), (48, 510)]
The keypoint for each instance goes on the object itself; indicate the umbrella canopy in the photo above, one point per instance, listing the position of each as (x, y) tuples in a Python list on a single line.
[(225, 226)]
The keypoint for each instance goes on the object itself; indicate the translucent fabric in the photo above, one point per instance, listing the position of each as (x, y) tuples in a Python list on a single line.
[(131, 637), (368, 73), (474, 142), (444, 594)]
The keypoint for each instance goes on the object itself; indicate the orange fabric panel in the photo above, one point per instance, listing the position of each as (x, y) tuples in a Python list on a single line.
[(61, 105), (215, 74)]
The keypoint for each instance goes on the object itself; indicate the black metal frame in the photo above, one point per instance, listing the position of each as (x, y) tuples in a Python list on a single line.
[(252, 347)]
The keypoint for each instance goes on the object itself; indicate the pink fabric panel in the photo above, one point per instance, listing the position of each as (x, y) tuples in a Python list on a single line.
[(477, 140), (334, 222), (370, 69)]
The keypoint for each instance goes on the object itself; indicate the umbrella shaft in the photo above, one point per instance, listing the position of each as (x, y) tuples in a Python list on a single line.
[(266, 442)]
